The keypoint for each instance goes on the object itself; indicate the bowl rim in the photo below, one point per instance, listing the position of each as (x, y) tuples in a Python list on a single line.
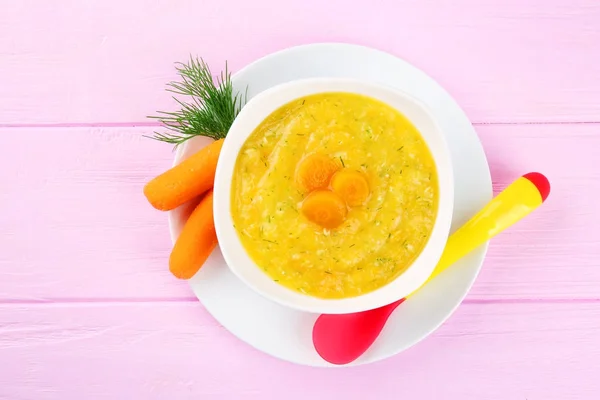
[(230, 243)]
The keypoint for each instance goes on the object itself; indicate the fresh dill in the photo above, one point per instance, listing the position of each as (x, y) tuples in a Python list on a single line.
[(208, 107)]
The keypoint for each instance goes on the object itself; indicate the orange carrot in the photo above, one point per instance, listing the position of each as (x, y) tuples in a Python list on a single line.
[(196, 241), (185, 181), (352, 186), (325, 208), (314, 172)]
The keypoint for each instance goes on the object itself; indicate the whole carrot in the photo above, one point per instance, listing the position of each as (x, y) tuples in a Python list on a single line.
[(196, 241), (185, 181), (208, 108)]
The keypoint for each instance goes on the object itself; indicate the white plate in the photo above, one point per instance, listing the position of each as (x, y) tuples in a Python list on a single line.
[(285, 333)]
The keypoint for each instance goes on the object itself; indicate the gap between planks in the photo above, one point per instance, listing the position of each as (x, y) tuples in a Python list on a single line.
[(149, 300), (158, 125)]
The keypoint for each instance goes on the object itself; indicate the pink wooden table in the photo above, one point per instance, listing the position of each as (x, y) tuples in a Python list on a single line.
[(88, 309)]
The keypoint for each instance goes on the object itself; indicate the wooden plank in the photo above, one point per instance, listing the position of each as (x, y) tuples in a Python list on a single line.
[(175, 350), (555, 252), (75, 224), (504, 60)]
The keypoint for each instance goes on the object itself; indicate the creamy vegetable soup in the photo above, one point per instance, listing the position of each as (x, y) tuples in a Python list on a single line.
[(334, 195)]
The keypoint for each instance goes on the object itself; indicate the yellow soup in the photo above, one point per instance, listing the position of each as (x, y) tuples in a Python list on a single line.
[(378, 239)]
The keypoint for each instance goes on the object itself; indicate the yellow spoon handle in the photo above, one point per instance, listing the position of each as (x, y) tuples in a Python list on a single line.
[(514, 203)]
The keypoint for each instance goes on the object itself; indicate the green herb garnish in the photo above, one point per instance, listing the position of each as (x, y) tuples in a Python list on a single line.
[(208, 109)]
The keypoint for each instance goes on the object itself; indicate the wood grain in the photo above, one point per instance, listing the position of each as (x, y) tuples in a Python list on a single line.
[(93, 62), (66, 204), (159, 351), (77, 227), (555, 252)]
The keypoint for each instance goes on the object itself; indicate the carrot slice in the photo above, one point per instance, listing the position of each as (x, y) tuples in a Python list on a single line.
[(325, 208), (352, 186), (185, 181), (195, 243), (315, 171)]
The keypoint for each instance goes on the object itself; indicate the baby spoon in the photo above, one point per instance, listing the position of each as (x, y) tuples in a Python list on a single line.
[(342, 338)]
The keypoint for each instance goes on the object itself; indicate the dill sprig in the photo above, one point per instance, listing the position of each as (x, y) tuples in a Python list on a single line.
[(209, 110)]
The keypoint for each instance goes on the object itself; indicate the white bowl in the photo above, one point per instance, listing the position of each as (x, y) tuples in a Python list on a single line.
[(252, 114)]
